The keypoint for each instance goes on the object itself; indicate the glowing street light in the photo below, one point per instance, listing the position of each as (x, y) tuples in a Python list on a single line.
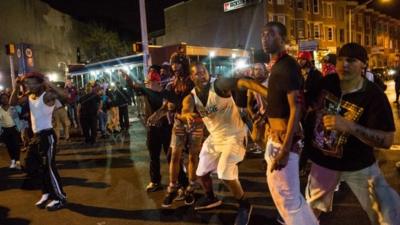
[(212, 55)]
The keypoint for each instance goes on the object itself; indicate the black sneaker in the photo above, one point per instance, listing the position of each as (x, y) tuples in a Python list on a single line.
[(153, 187), (56, 205), (189, 197), (207, 203), (169, 198), (181, 195), (244, 213)]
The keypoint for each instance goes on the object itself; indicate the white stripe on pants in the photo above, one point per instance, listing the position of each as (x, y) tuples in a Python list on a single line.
[(284, 186)]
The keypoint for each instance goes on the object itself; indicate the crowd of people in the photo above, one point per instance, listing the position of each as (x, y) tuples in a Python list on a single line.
[(285, 108)]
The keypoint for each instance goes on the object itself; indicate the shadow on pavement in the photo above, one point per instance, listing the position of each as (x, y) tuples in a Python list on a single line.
[(4, 219), (111, 162), (21, 181), (184, 214)]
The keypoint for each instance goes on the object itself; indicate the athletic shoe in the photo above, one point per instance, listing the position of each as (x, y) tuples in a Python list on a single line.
[(244, 213), (153, 187), (56, 205), (43, 200), (13, 164), (189, 197), (207, 203), (169, 198), (181, 194)]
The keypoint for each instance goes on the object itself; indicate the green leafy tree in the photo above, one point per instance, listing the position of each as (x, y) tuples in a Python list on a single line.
[(98, 43)]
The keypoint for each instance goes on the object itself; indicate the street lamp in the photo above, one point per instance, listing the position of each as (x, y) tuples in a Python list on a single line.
[(357, 9), (211, 55)]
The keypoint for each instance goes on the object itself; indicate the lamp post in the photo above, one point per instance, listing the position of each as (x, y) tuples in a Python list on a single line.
[(357, 9), (211, 55)]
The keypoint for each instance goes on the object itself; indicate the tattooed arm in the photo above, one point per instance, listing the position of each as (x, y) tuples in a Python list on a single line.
[(374, 138)]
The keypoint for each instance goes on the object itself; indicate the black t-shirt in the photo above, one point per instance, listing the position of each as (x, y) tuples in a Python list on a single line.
[(285, 77), (368, 107), (312, 85), (89, 104)]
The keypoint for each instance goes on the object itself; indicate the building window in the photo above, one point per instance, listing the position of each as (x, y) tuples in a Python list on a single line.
[(341, 14), (329, 10), (359, 39), (367, 22), (308, 5), (366, 41), (270, 17), (280, 2), (316, 6), (281, 19), (359, 20), (308, 30), (330, 34), (300, 29), (341, 35), (300, 4), (317, 32)]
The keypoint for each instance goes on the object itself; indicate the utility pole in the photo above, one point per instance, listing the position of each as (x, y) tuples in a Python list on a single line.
[(145, 43)]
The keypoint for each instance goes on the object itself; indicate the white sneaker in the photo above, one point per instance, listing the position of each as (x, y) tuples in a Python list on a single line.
[(55, 205), (42, 202), (13, 164)]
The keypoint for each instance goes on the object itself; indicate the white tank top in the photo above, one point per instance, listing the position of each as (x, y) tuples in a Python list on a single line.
[(41, 114), (220, 115)]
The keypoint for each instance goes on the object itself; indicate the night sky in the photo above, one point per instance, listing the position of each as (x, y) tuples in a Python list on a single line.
[(123, 15)]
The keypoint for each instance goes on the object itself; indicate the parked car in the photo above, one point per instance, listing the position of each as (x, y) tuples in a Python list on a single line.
[(381, 72)]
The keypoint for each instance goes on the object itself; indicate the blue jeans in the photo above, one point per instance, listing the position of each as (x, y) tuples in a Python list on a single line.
[(103, 122)]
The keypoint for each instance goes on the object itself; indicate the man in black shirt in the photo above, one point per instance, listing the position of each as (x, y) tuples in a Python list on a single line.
[(88, 107), (347, 125), (284, 141)]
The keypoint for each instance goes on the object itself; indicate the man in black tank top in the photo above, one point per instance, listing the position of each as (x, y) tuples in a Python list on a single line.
[(44, 140)]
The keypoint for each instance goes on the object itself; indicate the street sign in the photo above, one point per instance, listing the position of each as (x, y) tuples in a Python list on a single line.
[(308, 45), (235, 4)]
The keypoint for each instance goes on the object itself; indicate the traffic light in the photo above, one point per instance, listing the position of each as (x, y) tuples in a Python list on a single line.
[(10, 49), (137, 47)]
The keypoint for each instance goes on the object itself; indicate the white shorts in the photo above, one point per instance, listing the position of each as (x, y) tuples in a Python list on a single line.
[(221, 157)]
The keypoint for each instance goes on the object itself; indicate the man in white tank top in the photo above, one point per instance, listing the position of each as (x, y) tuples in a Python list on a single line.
[(41, 97), (224, 147)]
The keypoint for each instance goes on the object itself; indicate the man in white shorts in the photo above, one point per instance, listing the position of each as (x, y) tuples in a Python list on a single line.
[(224, 147)]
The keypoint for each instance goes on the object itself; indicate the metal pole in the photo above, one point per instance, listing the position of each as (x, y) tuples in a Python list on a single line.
[(145, 44), (12, 72)]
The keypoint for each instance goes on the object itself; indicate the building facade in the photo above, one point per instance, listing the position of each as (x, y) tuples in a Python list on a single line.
[(53, 37), (331, 23), (322, 24)]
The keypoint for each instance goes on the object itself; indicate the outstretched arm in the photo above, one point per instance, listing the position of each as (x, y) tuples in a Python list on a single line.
[(225, 85)]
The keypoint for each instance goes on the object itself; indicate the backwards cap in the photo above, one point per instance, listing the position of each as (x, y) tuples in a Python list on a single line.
[(354, 50)]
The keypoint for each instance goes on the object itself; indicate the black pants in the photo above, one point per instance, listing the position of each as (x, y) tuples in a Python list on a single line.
[(89, 128), (159, 138), (123, 117), (11, 138), (44, 143)]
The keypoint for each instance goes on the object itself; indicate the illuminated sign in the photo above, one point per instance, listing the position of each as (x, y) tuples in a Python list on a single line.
[(236, 4)]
